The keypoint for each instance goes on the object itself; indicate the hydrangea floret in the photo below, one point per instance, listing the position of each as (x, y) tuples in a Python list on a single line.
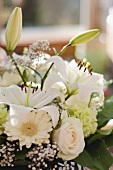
[(3, 115)]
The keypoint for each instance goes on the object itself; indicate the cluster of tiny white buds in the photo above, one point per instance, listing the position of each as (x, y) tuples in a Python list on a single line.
[(22, 62), (67, 165), (40, 45), (36, 49), (42, 157), (7, 153)]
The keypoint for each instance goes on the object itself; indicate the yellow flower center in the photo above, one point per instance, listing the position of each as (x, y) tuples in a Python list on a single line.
[(29, 128)]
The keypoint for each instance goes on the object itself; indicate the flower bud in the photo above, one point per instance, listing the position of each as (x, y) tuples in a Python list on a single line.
[(13, 29), (84, 37)]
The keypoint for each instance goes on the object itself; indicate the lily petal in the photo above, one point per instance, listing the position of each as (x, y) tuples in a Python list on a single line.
[(48, 97), (51, 80), (19, 110), (53, 112), (85, 91), (9, 95), (60, 65)]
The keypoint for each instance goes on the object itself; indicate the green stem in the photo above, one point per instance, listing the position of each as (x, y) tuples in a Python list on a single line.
[(69, 95), (11, 56), (43, 79), (63, 49), (35, 71)]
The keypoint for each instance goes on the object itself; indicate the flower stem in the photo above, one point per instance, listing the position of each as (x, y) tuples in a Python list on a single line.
[(43, 79), (11, 56), (35, 71), (63, 49)]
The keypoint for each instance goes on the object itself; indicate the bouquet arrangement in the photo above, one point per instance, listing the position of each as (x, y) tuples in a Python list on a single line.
[(53, 114)]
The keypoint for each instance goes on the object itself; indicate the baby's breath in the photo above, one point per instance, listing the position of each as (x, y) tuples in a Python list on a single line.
[(7, 153), (44, 157), (36, 49)]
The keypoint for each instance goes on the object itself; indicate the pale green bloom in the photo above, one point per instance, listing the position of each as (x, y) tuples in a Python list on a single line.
[(13, 29), (84, 113), (84, 37), (1, 129), (3, 114)]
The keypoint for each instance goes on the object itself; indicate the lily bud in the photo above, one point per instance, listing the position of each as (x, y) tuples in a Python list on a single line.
[(84, 37), (13, 29)]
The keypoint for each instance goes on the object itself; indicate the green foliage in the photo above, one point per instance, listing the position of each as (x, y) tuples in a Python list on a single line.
[(84, 159), (104, 160), (106, 114), (2, 139), (100, 155), (25, 75), (96, 155), (21, 154), (109, 140)]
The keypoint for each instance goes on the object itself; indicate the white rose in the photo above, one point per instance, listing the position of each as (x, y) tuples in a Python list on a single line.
[(69, 138)]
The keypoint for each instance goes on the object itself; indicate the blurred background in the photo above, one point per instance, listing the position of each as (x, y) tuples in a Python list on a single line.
[(58, 21)]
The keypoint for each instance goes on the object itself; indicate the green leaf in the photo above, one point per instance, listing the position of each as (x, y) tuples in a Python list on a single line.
[(95, 137), (2, 139), (109, 140), (21, 154), (24, 75), (93, 147), (106, 114), (105, 132), (105, 159), (84, 37), (84, 159), (97, 164)]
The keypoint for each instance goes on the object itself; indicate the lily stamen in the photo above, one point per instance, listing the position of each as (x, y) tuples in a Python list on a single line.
[(85, 64)]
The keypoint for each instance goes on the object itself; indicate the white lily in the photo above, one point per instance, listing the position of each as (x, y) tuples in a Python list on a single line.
[(13, 95), (9, 78), (77, 81), (52, 79)]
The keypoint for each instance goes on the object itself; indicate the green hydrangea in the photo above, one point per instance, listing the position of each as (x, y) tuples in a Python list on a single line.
[(86, 116), (3, 114)]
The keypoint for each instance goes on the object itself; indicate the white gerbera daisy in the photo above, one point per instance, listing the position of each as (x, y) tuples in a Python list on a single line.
[(28, 127)]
